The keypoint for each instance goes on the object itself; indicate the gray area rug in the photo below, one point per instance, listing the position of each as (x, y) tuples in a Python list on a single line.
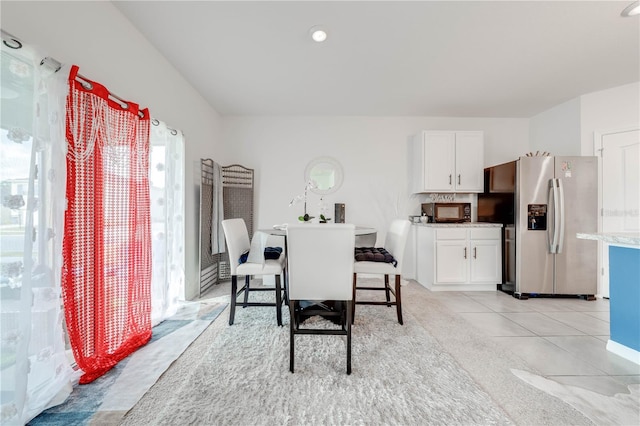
[(240, 375)]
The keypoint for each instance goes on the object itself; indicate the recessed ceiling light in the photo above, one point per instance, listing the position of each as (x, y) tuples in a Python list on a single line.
[(318, 34), (631, 10)]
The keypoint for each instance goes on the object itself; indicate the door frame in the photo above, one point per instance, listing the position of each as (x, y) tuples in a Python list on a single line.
[(598, 137)]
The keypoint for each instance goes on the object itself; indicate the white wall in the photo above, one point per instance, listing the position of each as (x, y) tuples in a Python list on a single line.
[(372, 151), (568, 128), (608, 110), (557, 130), (108, 49)]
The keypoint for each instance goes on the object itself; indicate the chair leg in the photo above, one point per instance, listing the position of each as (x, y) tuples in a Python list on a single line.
[(286, 286), (348, 324), (278, 301), (353, 298), (234, 289), (386, 289), (398, 300), (292, 325), (247, 279)]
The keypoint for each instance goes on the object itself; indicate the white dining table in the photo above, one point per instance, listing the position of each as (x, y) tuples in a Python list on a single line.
[(282, 231), (365, 236)]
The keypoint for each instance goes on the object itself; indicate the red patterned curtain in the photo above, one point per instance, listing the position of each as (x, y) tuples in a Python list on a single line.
[(106, 276)]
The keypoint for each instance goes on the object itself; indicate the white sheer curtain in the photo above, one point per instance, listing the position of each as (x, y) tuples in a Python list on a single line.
[(166, 178), (35, 372)]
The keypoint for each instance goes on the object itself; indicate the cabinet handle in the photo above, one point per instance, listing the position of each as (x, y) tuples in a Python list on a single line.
[(458, 179), (449, 179), (465, 252), (474, 252)]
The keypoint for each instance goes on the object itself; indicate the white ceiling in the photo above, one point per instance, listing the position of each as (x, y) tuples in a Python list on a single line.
[(393, 58)]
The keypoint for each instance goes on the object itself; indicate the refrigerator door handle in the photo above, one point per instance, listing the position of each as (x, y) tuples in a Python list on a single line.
[(553, 233), (561, 216), (549, 226)]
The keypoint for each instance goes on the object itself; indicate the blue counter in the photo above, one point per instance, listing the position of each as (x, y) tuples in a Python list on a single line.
[(624, 293), (624, 300)]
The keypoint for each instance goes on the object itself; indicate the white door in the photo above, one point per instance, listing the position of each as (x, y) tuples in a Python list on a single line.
[(620, 153)]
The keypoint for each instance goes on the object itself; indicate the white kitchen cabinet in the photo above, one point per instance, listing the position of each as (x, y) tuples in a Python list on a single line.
[(451, 257), (469, 170), (459, 257), (447, 161), (486, 260)]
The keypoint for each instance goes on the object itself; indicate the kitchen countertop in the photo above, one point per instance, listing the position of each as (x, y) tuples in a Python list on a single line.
[(458, 225), (626, 238)]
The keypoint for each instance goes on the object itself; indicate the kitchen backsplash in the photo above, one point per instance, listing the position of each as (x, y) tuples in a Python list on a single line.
[(416, 201)]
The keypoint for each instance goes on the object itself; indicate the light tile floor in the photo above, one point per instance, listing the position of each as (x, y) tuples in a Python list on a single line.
[(563, 338)]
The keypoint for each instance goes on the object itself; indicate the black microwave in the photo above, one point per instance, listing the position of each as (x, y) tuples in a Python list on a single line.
[(447, 212)]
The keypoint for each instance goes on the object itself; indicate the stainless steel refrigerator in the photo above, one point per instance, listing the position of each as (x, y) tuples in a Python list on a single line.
[(542, 203)]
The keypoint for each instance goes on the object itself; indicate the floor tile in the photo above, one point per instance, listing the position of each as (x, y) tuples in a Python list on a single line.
[(541, 324), (594, 352), (603, 338), (494, 324), (555, 304), (547, 358), (503, 304), (604, 385), (583, 322), (581, 305), (628, 380), (462, 303), (601, 315)]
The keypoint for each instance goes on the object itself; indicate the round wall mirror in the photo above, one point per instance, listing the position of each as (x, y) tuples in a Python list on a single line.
[(325, 173)]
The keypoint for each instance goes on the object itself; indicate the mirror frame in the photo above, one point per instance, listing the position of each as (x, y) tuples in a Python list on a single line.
[(338, 174)]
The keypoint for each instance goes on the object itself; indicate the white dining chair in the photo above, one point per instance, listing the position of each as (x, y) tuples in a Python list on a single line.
[(238, 243), (395, 242), (320, 267)]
